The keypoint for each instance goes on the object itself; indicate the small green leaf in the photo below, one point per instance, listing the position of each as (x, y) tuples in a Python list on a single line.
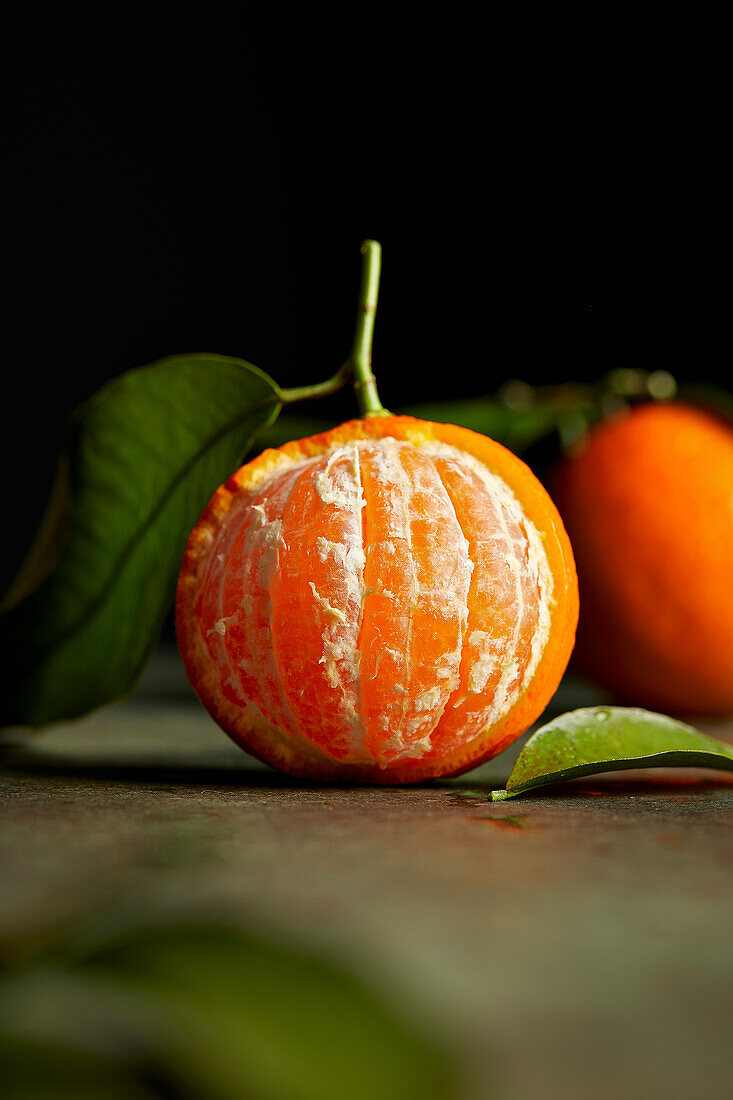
[(602, 739), (140, 460)]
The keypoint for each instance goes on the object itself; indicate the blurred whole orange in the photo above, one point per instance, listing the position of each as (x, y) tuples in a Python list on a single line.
[(647, 499)]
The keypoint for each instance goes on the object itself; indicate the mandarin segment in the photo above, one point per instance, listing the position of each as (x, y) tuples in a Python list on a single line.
[(432, 589), (247, 601), (317, 600), (502, 607), (390, 601)]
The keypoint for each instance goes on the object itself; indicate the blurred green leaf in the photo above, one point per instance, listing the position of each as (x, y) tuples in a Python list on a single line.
[(207, 1012), (602, 739), (709, 397), (37, 1070), (289, 426), (515, 428), (140, 460)]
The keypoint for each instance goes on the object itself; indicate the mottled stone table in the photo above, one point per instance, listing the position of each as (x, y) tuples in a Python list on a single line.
[(573, 944)]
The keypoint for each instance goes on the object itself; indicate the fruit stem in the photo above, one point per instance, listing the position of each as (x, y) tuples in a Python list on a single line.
[(358, 367), (320, 389), (360, 360)]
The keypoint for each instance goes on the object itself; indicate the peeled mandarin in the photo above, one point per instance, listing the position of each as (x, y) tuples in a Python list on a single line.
[(388, 602)]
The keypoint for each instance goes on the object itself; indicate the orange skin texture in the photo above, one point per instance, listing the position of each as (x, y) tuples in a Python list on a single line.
[(208, 588), (648, 503)]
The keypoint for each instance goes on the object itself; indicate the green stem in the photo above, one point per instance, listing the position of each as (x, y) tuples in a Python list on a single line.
[(360, 360), (320, 389), (358, 367)]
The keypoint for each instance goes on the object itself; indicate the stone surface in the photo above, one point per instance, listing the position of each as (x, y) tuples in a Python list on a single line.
[(571, 944)]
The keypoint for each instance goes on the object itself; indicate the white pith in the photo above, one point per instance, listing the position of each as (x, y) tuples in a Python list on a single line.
[(436, 584), (339, 484)]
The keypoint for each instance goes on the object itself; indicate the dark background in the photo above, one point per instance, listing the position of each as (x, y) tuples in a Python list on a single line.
[(202, 181)]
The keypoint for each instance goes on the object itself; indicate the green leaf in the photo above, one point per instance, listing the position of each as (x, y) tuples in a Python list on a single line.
[(602, 739), (709, 397), (213, 1012), (34, 1070), (516, 428), (290, 426), (139, 462)]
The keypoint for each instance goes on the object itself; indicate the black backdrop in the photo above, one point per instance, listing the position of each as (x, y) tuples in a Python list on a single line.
[(201, 182)]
